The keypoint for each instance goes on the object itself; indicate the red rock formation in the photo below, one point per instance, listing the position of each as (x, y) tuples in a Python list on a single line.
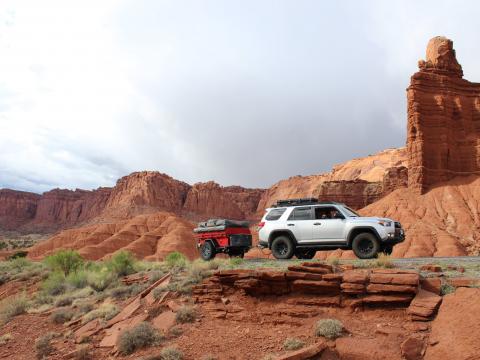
[(212, 200), (443, 119), (145, 191), (150, 236), (357, 183), (65, 208), (16, 208)]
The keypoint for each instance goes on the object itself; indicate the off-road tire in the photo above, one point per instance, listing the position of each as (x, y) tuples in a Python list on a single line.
[(365, 246), (305, 254), (283, 247), (207, 251)]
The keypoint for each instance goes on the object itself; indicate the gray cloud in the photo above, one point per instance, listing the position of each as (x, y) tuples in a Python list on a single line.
[(241, 92)]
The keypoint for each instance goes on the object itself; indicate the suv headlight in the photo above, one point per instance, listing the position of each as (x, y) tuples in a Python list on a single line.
[(385, 223)]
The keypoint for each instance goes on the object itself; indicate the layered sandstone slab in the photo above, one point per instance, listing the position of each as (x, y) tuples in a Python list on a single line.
[(150, 236), (443, 119)]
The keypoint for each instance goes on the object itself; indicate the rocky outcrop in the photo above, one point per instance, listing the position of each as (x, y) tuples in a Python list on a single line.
[(212, 200), (357, 183), (150, 236), (16, 208), (443, 120), (325, 284), (443, 222), (455, 330)]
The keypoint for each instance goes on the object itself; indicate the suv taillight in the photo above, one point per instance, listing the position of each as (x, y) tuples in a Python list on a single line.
[(260, 225)]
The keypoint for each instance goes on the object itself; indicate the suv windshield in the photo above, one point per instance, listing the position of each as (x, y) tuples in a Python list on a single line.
[(350, 212)]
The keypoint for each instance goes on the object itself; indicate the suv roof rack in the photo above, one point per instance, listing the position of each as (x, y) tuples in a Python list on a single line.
[(301, 201)]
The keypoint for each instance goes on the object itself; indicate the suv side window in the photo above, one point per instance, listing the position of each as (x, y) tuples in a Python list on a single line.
[(275, 214), (328, 212), (301, 213)]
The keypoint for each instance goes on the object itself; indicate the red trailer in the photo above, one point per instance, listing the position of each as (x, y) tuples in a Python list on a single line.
[(216, 236)]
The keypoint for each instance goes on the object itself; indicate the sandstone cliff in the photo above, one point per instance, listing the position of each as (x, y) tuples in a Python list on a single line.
[(16, 208), (357, 183), (443, 119)]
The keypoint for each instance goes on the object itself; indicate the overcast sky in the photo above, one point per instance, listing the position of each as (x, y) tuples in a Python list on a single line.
[(240, 92)]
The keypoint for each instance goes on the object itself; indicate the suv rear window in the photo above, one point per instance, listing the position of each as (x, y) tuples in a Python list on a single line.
[(301, 213), (275, 214)]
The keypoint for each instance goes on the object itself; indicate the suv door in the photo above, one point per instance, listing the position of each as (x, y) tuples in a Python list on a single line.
[(299, 222), (329, 224)]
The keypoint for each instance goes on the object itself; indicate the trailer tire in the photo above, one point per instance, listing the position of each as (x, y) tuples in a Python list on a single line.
[(207, 251)]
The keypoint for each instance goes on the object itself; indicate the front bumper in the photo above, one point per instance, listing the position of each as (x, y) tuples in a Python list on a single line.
[(394, 238)]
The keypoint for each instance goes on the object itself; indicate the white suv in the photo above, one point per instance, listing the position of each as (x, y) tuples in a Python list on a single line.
[(300, 227)]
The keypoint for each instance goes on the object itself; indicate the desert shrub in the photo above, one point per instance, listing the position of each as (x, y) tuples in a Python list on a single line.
[(18, 254), (43, 345), (236, 261), (100, 280), (171, 353), (383, 261), (293, 344), (77, 279), (66, 261), (333, 260), (105, 311), (446, 289), (159, 291), (329, 328), (13, 306), (155, 276), (82, 353), (175, 331), (54, 284), (83, 306), (64, 300), (61, 316), (125, 291), (186, 314), (19, 263), (5, 338), (140, 336), (176, 260), (122, 263)]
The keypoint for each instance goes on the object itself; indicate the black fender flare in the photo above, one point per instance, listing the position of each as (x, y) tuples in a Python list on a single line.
[(278, 232), (368, 228)]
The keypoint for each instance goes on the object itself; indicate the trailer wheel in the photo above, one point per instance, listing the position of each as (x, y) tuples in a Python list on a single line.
[(207, 251)]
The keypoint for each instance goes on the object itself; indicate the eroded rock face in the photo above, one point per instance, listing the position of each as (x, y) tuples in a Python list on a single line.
[(357, 183), (455, 329), (443, 119), (212, 200), (16, 208), (150, 236)]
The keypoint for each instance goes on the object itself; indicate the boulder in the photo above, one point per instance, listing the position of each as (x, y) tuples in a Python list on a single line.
[(424, 305), (433, 285), (413, 348), (305, 353)]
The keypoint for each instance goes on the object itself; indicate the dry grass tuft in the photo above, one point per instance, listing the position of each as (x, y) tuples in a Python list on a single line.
[(329, 328)]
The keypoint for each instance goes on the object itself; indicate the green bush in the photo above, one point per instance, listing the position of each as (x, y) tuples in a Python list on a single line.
[(140, 336), (176, 260), (18, 254), (329, 328), (66, 261), (446, 289), (293, 344), (101, 280), (61, 316), (77, 279), (19, 263), (171, 353), (43, 345), (54, 284), (13, 306), (105, 311), (186, 314), (122, 263)]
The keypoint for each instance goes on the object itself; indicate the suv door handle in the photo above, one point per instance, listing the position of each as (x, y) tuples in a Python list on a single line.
[(291, 224), (317, 223)]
